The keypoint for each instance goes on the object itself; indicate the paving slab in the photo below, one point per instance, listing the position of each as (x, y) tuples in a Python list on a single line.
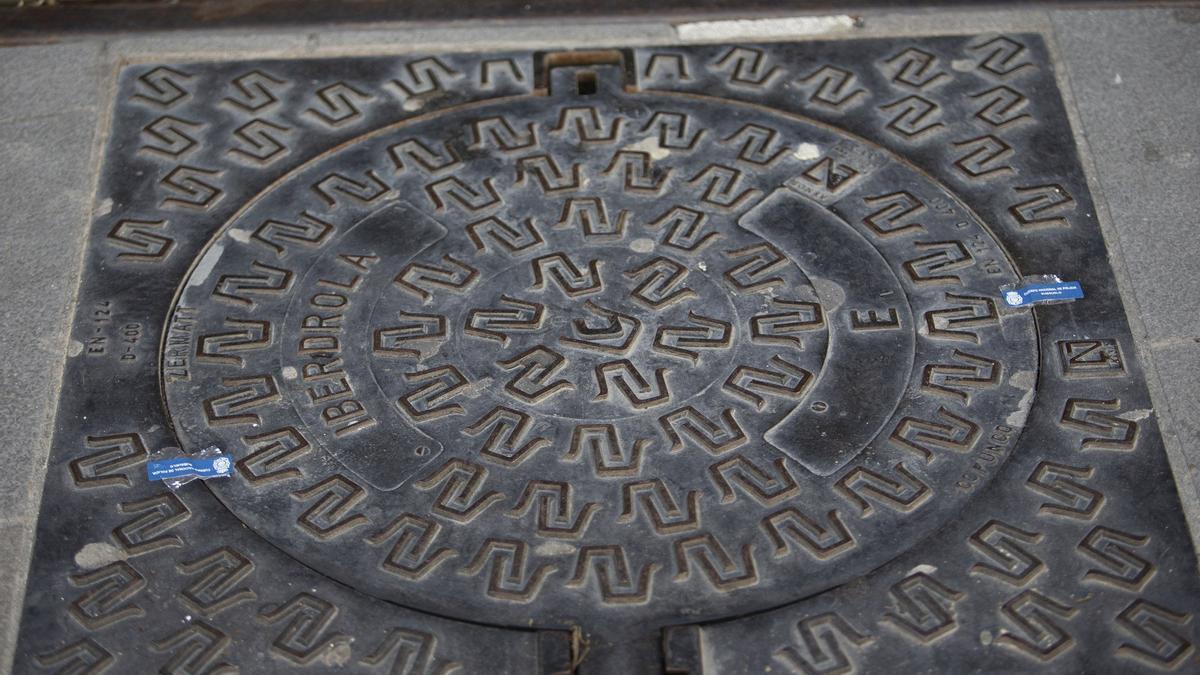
[(1146, 194), (14, 562), (1179, 361), (1147, 159), (47, 176), (41, 80), (48, 169)]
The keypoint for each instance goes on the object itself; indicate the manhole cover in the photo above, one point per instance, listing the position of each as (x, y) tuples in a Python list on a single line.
[(625, 343)]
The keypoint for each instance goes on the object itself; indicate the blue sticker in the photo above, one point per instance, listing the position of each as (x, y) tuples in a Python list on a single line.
[(182, 467), (1035, 293)]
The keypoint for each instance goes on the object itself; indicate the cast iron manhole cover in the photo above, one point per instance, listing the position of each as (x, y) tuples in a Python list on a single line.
[(683, 358)]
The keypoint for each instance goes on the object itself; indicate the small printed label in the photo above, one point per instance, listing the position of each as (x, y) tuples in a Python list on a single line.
[(1033, 294), (181, 467)]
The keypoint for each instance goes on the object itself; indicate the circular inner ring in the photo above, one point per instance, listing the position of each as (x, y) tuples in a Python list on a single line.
[(622, 357)]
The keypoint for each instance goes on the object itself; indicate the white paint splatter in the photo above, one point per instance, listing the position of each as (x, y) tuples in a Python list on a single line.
[(1117, 79), (642, 245), (1027, 380), (74, 348), (105, 207), (831, 294), (206, 265), (1136, 415), (240, 236), (289, 373), (427, 348), (806, 151), (757, 28), (962, 65), (336, 654), (649, 146), (554, 548), (923, 568), (478, 388), (98, 554)]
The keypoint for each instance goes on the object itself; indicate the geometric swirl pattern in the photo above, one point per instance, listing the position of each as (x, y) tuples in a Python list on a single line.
[(684, 358), (598, 348)]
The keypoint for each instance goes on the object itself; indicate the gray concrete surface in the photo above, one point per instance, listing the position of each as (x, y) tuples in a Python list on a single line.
[(47, 126), (1140, 134)]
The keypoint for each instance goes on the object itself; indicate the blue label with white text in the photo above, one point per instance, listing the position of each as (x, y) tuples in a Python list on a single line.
[(182, 467), (1035, 293)]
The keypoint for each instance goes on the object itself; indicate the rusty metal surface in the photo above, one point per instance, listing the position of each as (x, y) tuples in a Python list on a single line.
[(632, 343)]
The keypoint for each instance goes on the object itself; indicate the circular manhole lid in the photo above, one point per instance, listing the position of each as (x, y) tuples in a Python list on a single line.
[(626, 357)]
